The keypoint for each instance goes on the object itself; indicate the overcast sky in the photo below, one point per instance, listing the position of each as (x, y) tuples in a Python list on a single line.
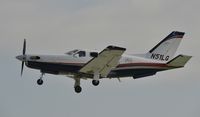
[(55, 27)]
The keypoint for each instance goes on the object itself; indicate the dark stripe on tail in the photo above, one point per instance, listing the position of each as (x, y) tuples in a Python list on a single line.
[(174, 34)]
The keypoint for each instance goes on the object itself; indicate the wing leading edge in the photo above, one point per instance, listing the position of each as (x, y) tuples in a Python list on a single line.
[(104, 62)]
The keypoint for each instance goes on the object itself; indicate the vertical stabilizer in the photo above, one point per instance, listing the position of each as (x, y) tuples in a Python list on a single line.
[(165, 50)]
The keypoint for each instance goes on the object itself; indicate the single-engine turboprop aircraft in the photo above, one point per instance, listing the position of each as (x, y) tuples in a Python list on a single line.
[(109, 63)]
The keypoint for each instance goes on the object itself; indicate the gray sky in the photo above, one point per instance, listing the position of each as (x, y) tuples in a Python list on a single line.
[(55, 27)]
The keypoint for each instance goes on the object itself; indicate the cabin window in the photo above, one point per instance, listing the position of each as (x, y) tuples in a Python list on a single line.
[(81, 53), (93, 54)]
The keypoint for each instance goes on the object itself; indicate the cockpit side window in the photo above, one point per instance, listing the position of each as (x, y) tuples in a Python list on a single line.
[(81, 53)]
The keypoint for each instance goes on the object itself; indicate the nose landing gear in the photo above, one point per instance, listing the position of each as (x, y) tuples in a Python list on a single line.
[(40, 81)]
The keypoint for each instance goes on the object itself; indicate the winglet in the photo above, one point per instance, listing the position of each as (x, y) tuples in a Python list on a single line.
[(179, 61)]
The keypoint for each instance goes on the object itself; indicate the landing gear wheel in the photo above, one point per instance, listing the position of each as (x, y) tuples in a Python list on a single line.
[(39, 81), (78, 89), (95, 82)]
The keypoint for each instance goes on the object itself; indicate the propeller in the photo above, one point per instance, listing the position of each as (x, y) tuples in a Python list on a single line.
[(24, 56)]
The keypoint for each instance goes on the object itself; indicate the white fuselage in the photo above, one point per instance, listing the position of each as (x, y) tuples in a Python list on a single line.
[(73, 62)]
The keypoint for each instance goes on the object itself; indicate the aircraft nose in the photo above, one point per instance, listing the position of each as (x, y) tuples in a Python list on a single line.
[(20, 57)]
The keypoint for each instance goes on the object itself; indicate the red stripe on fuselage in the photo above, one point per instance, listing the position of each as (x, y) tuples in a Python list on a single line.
[(122, 65)]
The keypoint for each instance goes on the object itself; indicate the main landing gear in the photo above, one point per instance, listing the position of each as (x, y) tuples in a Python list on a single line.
[(77, 89), (40, 81), (95, 82), (77, 86)]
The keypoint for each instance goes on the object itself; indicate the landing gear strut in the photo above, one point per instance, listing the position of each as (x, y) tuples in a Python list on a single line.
[(77, 86), (40, 81), (95, 80)]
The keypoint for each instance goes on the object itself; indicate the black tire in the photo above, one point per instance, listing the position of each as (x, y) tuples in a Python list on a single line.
[(95, 82), (39, 81), (77, 89)]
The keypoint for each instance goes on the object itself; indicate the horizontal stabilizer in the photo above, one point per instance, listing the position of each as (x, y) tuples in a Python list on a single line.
[(179, 61)]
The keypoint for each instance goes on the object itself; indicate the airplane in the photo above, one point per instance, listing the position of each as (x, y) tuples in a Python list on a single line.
[(110, 63)]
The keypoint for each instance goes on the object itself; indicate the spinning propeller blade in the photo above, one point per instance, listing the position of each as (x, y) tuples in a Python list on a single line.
[(24, 53)]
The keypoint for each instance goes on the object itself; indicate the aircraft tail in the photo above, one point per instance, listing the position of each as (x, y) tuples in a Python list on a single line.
[(179, 61), (165, 50)]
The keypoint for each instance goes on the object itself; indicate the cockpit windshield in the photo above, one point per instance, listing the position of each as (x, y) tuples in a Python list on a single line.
[(77, 53), (72, 52)]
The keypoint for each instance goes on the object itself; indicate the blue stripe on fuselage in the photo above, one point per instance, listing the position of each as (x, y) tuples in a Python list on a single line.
[(54, 67)]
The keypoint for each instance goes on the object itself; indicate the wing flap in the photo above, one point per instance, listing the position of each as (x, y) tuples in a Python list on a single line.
[(106, 60)]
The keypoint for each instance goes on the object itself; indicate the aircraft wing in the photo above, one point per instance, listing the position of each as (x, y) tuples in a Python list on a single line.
[(104, 62)]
